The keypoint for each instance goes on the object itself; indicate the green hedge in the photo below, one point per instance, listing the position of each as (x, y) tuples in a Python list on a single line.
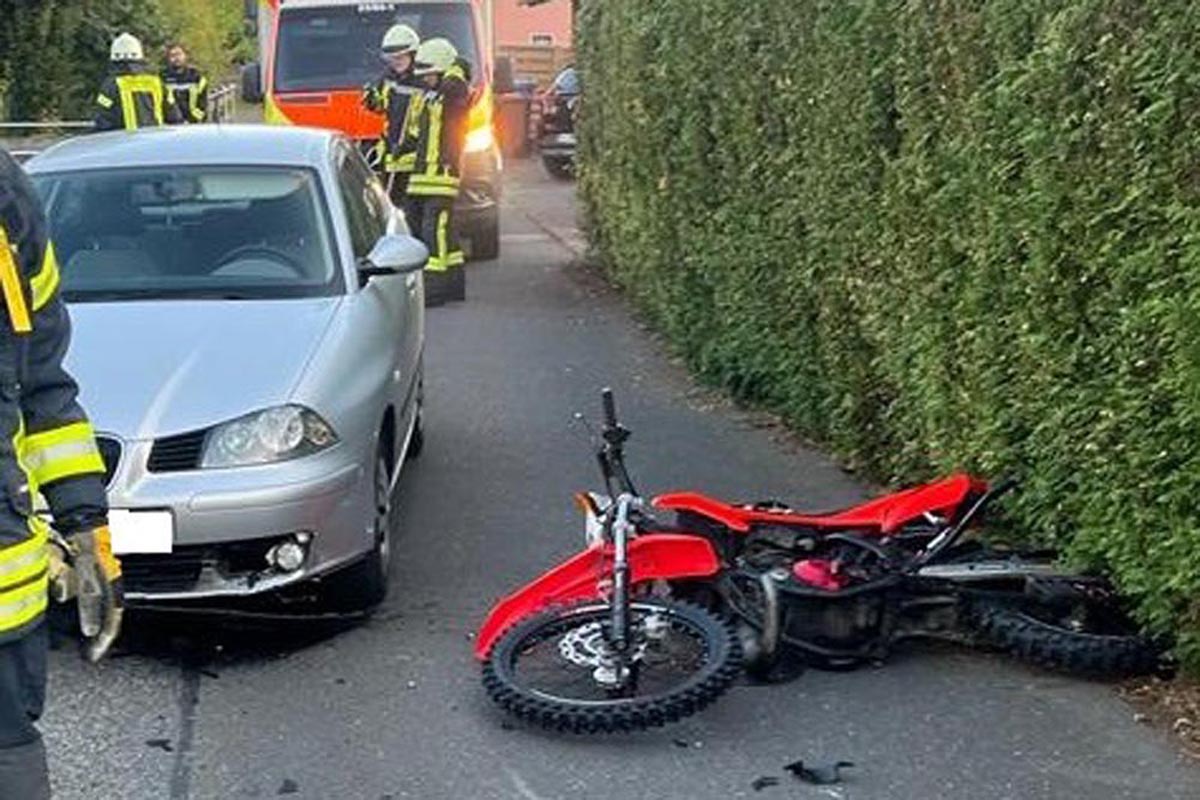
[(933, 234), (54, 53)]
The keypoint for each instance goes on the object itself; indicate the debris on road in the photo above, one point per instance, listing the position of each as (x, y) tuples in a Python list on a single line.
[(1169, 704), (289, 787), (765, 782), (819, 774), (161, 744)]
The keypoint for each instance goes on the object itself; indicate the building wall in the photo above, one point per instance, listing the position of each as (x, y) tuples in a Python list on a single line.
[(517, 24)]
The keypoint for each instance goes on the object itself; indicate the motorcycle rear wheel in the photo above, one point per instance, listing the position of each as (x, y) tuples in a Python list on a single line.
[(539, 669), (1037, 636)]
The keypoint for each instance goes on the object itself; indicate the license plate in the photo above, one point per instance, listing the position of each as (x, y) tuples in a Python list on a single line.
[(141, 531)]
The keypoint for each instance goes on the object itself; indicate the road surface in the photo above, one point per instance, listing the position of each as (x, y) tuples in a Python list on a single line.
[(393, 709)]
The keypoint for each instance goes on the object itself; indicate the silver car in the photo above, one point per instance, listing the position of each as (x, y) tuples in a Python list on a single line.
[(248, 334)]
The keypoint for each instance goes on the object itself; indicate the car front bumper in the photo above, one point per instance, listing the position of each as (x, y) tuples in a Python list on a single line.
[(226, 521), (558, 145)]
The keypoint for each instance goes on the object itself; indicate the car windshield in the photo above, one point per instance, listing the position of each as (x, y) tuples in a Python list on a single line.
[(190, 232), (567, 82), (339, 47)]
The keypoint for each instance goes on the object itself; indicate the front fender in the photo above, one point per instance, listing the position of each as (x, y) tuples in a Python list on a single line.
[(660, 556)]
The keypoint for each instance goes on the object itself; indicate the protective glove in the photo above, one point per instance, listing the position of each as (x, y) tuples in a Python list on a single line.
[(84, 567), (62, 574)]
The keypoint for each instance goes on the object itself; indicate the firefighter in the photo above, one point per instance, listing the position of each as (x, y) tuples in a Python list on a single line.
[(187, 85), (397, 95), (132, 96), (47, 446), (434, 184)]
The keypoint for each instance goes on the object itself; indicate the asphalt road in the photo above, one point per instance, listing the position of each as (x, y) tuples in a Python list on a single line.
[(392, 708)]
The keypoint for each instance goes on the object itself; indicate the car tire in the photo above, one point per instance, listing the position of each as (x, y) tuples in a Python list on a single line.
[(364, 585), (559, 168), (416, 442), (456, 291), (485, 239)]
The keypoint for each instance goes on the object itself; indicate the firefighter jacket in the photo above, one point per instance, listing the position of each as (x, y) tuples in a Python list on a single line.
[(46, 442), (132, 97), (443, 134), (399, 98), (190, 91)]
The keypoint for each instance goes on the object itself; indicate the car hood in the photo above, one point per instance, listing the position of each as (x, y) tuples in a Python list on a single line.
[(149, 369)]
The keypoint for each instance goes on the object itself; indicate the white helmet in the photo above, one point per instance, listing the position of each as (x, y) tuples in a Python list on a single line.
[(126, 47), (400, 39), (435, 56)]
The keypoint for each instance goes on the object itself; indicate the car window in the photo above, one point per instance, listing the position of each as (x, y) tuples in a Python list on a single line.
[(365, 215), (337, 47), (567, 82), (191, 232)]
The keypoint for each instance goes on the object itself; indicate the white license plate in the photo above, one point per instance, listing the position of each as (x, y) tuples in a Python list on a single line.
[(141, 531)]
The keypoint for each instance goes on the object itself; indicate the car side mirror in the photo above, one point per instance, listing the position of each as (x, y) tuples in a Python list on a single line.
[(395, 254), (502, 76), (252, 91)]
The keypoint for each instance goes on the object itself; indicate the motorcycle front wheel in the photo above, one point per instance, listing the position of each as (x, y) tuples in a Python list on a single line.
[(559, 670)]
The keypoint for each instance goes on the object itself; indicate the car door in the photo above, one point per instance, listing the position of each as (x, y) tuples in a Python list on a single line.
[(393, 304)]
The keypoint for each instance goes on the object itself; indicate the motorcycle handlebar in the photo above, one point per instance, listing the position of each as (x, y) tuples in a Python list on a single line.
[(610, 407)]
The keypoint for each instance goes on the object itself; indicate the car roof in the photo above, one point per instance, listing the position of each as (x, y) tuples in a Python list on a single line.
[(233, 145)]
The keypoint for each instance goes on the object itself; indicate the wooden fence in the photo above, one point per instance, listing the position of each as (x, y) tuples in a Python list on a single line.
[(539, 63)]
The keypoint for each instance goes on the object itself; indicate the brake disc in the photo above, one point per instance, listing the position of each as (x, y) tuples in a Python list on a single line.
[(587, 646)]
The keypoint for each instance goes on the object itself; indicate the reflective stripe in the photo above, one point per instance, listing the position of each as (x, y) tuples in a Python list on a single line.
[(132, 85), (104, 101), (62, 453), (194, 92), (23, 561), (433, 146), (437, 261), (443, 258), (45, 283), (433, 185), (14, 293), (22, 605), (406, 162), (425, 190)]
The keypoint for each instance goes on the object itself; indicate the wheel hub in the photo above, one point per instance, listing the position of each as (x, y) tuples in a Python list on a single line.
[(588, 646)]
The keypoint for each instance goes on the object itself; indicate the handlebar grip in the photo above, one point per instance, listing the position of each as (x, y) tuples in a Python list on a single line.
[(610, 407)]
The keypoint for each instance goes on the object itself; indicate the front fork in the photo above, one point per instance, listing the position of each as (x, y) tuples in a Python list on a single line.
[(620, 589)]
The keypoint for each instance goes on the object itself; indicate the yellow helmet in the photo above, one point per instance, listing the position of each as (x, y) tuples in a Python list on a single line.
[(401, 39), (435, 56), (126, 47)]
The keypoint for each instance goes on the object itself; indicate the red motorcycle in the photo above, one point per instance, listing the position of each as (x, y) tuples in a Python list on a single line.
[(654, 620)]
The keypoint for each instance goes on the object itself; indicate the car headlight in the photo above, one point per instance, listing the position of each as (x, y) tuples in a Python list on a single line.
[(265, 437)]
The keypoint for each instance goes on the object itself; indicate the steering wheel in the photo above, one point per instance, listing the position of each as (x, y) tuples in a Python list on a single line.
[(262, 252)]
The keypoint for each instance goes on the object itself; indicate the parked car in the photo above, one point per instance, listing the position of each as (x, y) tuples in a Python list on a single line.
[(556, 134), (249, 329)]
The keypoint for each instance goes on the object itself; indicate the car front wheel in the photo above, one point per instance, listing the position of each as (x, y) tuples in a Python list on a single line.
[(365, 584)]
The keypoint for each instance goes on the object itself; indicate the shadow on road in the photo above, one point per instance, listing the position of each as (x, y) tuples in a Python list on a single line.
[(206, 639)]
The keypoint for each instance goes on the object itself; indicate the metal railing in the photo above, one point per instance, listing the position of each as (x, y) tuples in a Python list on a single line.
[(222, 102), (221, 105)]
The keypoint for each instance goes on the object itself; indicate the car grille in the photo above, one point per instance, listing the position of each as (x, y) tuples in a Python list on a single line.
[(177, 453), (174, 572), (179, 571), (110, 452)]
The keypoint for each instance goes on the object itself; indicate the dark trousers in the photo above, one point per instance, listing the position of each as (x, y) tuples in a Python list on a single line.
[(432, 222), (23, 771)]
